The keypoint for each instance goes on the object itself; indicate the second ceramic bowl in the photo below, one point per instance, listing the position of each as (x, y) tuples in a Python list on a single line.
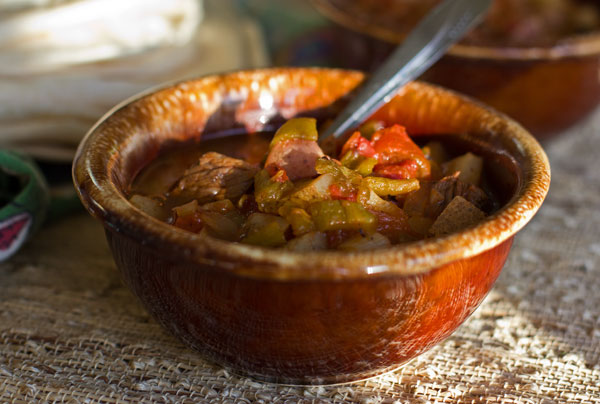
[(547, 89)]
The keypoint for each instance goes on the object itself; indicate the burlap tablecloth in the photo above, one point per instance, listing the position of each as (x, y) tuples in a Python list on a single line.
[(71, 332)]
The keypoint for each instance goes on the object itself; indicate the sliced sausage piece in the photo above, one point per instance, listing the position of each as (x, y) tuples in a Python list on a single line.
[(215, 177), (296, 156)]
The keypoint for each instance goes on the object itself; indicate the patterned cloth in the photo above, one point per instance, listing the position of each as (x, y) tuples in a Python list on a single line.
[(71, 332), (24, 200)]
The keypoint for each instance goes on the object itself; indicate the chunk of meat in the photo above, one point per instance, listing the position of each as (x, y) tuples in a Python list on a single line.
[(215, 177), (296, 156), (458, 215), (446, 189)]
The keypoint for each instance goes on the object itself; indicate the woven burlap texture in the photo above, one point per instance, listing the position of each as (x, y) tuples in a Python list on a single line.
[(71, 332)]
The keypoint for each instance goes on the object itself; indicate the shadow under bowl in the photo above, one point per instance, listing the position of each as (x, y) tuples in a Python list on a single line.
[(546, 89), (310, 318)]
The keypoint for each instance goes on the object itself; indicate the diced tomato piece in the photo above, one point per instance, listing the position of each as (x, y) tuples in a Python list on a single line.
[(393, 146), (280, 176), (191, 222), (406, 169), (338, 192), (360, 144)]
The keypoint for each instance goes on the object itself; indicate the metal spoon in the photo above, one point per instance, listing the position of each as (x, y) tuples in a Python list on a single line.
[(428, 41)]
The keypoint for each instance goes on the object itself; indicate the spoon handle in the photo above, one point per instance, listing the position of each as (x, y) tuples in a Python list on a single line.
[(427, 42)]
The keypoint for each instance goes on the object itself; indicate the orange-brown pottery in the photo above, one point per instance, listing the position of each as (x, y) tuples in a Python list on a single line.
[(546, 89), (303, 318)]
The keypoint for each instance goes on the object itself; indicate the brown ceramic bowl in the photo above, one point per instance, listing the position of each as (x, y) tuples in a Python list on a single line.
[(313, 318), (546, 89)]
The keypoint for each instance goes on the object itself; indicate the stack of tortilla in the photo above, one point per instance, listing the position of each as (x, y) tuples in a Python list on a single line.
[(64, 63)]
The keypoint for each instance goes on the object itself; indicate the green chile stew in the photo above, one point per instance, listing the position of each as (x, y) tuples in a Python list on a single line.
[(379, 188)]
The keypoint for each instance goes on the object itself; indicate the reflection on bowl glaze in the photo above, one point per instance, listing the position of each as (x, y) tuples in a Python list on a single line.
[(546, 89), (316, 318)]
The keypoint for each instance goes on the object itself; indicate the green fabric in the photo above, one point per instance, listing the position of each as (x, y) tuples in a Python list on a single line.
[(24, 200)]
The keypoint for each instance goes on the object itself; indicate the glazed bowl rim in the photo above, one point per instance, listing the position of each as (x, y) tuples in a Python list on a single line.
[(105, 201), (580, 45)]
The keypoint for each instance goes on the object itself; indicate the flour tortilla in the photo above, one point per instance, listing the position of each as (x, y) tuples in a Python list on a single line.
[(42, 39), (47, 114)]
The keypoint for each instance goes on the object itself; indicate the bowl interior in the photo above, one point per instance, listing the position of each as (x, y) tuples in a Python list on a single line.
[(134, 133)]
